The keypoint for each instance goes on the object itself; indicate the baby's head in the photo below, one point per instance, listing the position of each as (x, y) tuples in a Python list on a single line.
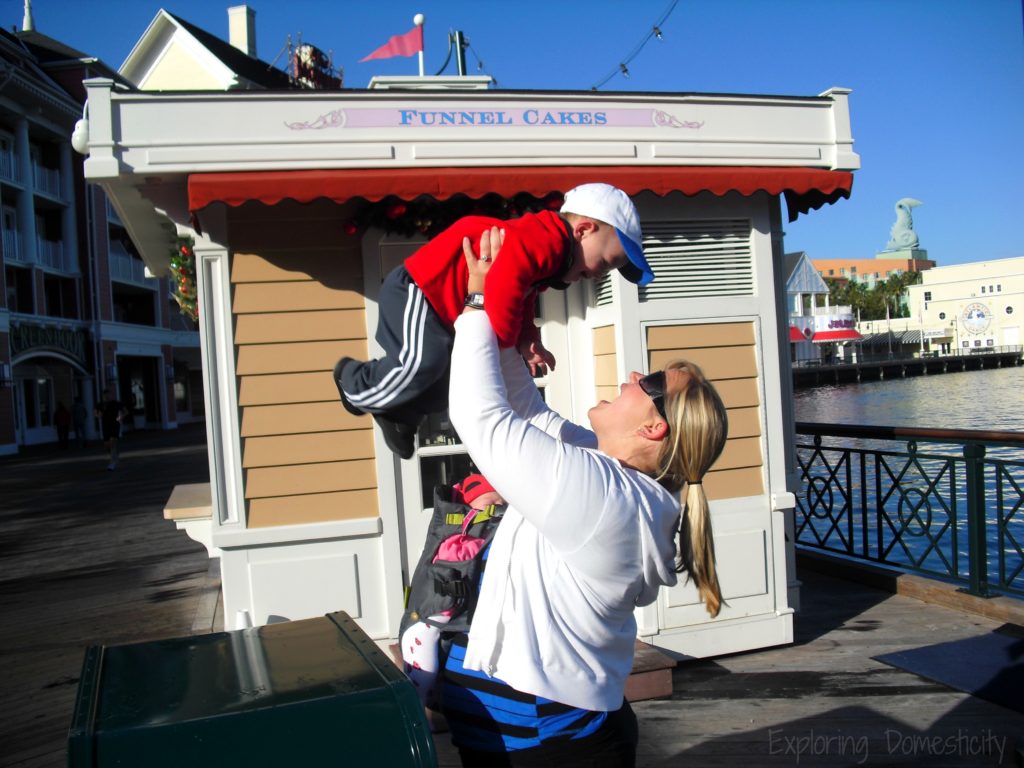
[(479, 493), (606, 226)]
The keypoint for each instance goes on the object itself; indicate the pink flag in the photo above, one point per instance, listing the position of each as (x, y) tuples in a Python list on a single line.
[(399, 45)]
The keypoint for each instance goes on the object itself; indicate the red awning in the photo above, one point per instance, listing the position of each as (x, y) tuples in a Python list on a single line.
[(796, 335), (846, 334), (804, 188)]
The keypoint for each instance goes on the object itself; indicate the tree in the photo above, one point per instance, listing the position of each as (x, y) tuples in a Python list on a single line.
[(871, 304)]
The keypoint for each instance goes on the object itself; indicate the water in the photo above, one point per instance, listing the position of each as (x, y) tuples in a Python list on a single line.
[(926, 513), (987, 399)]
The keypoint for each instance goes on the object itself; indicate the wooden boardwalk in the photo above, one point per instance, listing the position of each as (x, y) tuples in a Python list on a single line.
[(88, 558)]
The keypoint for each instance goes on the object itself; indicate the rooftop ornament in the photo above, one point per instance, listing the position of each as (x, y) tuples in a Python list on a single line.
[(902, 234)]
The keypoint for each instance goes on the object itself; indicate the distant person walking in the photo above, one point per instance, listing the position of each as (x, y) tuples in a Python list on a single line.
[(78, 417), (62, 421), (111, 413)]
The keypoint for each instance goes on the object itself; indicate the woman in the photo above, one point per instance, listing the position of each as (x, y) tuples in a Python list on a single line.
[(589, 535)]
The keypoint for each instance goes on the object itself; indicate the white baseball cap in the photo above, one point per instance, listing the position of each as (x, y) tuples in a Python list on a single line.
[(613, 206)]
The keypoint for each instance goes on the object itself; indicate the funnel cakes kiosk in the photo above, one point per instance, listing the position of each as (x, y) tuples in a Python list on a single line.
[(300, 202)]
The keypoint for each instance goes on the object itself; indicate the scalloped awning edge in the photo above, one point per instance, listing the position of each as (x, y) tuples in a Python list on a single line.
[(805, 189)]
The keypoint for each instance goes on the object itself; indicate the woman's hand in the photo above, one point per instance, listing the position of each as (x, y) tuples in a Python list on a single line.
[(490, 244)]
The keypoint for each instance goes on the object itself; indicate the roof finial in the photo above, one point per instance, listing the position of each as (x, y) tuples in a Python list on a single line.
[(27, 25)]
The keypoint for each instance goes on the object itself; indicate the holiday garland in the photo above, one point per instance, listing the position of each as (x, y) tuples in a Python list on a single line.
[(428, 216), (424, 216), (183, 278)]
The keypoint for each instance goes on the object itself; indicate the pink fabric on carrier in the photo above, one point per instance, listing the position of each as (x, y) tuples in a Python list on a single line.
[(460, 546)]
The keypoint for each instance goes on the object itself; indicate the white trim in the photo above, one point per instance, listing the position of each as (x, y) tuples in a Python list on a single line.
[(297, 534), (394, 477), (220, 392), (262, 130)]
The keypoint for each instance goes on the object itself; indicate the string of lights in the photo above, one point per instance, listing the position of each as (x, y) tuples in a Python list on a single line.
[(655, 31)]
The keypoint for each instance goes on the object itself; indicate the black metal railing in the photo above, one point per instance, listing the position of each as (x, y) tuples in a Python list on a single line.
[(942, 502)]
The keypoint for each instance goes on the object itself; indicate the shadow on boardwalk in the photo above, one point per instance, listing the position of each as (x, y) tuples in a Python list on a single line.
[(88, 558)]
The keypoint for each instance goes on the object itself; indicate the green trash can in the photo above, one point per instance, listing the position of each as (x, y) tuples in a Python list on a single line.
[(311, 692)]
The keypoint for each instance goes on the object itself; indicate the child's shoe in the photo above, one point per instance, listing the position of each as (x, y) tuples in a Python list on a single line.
[(338, 368)]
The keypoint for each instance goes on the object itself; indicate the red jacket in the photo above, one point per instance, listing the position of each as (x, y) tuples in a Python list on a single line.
[(537, 247)]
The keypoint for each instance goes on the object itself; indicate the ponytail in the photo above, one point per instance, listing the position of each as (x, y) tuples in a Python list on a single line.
[(696, 547), (697, 430)]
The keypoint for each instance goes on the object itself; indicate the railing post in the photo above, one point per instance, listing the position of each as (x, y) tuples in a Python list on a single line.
[(977, 546)]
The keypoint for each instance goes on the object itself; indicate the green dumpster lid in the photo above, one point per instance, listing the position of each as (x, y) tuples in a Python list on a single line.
[(231, 672)]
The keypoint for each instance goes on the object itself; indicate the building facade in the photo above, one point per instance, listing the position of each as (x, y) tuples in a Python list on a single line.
[(876, 270), (970, 307), (78, 313), (819, 331)]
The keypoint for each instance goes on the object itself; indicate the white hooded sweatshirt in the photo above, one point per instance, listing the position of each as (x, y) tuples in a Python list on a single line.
[(584, 541)]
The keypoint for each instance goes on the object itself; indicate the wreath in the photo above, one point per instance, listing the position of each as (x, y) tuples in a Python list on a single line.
[(183, 278)]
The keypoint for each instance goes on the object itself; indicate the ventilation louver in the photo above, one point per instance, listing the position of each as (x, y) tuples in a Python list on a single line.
[(692, 259)]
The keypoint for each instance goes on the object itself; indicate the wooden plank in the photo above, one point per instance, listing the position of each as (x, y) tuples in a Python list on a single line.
[(738, 393), (700, 335), (604, 340), (263, 420), (313, 508), (308, 448), (278, 389), (189, 500), (607, 393), (605, 374), (331, 266), (716, 362), (301, 479), (744, 422), (740, 452), (296, 357), (294, 297), (300, 326), (734, 483)]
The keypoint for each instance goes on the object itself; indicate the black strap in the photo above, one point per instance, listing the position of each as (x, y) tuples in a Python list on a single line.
[(451, 587)]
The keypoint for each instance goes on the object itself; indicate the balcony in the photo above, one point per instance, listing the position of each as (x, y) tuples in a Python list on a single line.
[(9, 168), (47, 181), (13, 250), (837, 310), (51, 254), (126, 268)]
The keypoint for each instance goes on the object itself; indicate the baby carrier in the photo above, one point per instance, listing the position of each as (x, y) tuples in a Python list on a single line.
[(444, 587), (447, 577)]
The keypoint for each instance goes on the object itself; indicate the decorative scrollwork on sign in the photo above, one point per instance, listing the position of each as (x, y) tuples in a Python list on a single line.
[(333, 119), (665, 120)]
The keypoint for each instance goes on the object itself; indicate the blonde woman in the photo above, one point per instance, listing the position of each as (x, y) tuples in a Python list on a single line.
[(594, 528)]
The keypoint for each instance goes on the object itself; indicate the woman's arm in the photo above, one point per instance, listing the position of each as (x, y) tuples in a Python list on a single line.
[(560, 488), (525, 399), (522, 392)]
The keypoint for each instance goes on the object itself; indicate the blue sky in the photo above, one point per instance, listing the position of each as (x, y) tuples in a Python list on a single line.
[(938, 85)]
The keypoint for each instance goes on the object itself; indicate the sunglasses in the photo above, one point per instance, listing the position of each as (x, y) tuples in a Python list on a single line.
[(653, 385)]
